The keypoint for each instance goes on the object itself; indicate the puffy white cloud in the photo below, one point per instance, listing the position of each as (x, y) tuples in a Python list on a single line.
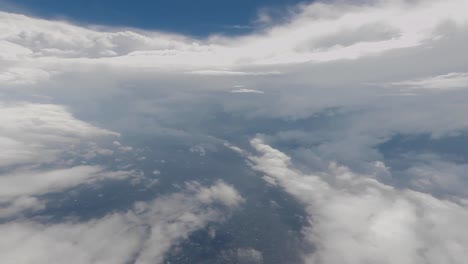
[(304, 66), (16, 205), (310, 50), (220, 191), (21, 190), (357, 219), (141, 235), (19, 183), (33, 135), (112, 239), (317, 32)]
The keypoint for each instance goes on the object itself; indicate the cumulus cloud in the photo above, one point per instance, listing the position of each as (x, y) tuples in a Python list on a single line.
[(35, 183), (19, 188), (141, 235), (316, 32), (11, 207), (356, 219), (404, 38), (314, 98), (37, 135)]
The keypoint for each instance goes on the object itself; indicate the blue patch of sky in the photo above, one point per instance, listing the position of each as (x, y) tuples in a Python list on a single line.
[(197, 18)]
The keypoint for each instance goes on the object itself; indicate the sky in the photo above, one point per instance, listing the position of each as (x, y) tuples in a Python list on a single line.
[(196, 18), (326, 132)]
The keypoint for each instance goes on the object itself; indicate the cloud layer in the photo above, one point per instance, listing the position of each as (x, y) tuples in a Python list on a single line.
[(316, 32), (326, 87), (356, 219), (141, 235)]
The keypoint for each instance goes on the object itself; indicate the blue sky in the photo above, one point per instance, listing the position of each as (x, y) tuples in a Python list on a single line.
[(189, 17)]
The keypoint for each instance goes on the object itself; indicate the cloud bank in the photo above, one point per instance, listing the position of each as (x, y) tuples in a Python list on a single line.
[(357, 219), (337, 81), (316, 32), (141, 235)]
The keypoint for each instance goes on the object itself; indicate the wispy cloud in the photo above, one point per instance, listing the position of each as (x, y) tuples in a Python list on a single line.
[(452, 80), (247, 91), (233, 73)]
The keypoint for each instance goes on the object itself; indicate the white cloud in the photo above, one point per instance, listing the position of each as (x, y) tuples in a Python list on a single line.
[(18, 183), (232, 73), (200, 150), (111, 239), (37, 135), (23, 76), (247, 91), (452, 80), (220, 191), (20, 189), (249, 255), (11, 207), (303, 62), (356, 219), (439, 177), (141, 235), (316, 32)]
